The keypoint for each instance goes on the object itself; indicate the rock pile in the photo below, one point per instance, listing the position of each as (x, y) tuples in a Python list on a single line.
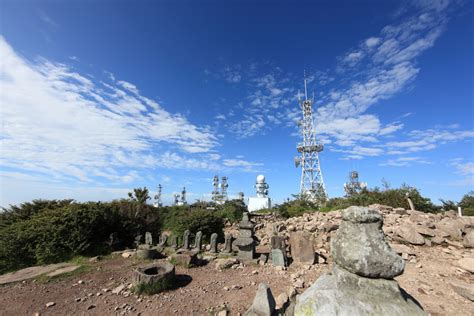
[(361, 282)]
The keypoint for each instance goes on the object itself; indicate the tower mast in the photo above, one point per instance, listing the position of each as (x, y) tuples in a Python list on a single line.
[(311, 184)]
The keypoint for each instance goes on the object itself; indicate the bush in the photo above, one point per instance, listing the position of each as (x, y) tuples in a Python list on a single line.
[(231, 210), (295, 207), (63, 229), (179, 219), (391, 197)]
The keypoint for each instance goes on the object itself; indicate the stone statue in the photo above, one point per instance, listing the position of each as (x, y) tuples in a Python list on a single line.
[(186, 235), (148, 239), (213, 243), (198, 241), (227, 243), (246, 242)]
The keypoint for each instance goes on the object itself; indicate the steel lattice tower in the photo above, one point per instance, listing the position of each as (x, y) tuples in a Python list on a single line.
[(311, 185)]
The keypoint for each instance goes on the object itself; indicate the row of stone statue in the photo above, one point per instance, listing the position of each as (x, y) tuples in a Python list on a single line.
[(173, 243)]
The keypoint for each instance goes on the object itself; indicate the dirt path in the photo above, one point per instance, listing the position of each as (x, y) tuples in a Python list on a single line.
[(203, 287)]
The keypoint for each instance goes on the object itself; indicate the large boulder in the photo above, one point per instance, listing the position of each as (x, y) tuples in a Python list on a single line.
[(345, 293), (359, 245), (263, 303), (452, 226), (468, 240), (409, 234)]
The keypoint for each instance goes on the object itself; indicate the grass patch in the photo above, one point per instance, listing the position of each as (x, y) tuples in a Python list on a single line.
[(44, 278), (153, 288)]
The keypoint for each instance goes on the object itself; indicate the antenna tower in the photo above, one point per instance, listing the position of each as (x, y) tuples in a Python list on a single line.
[(224, 187), (311, 185), (215, 191), (158, 197), (354, 186), (183, 197)]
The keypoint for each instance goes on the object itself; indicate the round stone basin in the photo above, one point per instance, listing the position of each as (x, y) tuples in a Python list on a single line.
[(156, 272)]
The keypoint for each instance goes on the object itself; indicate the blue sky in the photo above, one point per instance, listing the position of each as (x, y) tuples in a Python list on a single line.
[(100, 97)]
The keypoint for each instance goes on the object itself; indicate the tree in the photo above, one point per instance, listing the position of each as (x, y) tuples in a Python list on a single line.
[(141, 195)]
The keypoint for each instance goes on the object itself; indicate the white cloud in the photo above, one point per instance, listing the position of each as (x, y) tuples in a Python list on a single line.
[(243, 165), (61, 123), (405, 161), (372, 41)]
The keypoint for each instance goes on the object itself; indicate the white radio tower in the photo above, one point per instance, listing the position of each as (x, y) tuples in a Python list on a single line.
[(312, 185)]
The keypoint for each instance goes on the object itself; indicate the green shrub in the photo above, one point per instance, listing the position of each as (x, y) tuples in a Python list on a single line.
[(231, 210), (180, 219), (68, 229)]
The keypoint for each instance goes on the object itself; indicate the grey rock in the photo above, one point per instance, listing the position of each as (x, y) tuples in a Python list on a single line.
[(409, 234), (278, 258), (263, 303), (464, 289), (468, 241), (360, 247), (344, 293), (466, 264)]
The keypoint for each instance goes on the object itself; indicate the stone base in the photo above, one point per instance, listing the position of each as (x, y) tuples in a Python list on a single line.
[(343, 293), (257, 203)]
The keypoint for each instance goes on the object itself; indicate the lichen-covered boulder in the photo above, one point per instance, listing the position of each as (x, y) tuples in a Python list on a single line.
[(359, 245)]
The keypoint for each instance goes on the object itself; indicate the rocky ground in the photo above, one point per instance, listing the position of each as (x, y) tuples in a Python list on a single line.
[(438, 274)]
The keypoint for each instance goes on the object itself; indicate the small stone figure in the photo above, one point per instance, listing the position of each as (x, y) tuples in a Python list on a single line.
[(227, 243), (164, 239), (148, 239), (138, 240), (198, 241), (278, 251), (174, 242), (246, 242), (186, 235), (213, 243)]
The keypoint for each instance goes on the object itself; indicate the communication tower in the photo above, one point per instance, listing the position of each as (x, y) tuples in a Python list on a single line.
[(354, 186), (183, 197), (157, 202), (311, 185), (224, 186), (215, 191)]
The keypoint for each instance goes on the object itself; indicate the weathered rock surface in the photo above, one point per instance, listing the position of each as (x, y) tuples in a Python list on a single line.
[(468, 240), (464, 289), (302, 249), (360, 247), (344, 293), (263, 303), (466, 264), (410, 235)]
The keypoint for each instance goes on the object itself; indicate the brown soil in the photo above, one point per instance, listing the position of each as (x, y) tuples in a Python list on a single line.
[(200, 288)]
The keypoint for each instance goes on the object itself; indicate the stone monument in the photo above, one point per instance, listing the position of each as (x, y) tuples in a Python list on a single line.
[(361, 282), (186, 235), (148, 239), (198, 241), (213, 243), (246, 240), (261, 201), (278, 252), (227, 243)]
